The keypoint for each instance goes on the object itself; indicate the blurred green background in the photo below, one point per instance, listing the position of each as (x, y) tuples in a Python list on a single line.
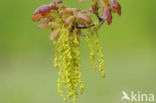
[(26, 55)]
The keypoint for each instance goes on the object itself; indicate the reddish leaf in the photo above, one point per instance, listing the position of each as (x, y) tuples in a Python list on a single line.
[(84, 18), (109, 18), (37, 17), (43, 9), (115, 7), (106, 15), (53, 6), (68, 21), (44, 24)]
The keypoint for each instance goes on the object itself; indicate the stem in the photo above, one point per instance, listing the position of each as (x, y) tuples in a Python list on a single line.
[(84, 26), (93, 31), (101, 21)]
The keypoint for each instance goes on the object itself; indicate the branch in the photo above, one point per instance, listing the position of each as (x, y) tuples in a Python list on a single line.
[(84, 26), (101, 21)]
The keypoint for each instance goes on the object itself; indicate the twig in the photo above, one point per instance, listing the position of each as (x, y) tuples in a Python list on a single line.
[(101, 23)]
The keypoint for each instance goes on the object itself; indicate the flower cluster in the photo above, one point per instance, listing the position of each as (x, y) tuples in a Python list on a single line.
[(66, 25), (95, 50), (68, 61)]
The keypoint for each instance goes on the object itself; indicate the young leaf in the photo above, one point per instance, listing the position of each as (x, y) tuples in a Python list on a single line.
[(37, 17), (115, 7), (84, 18), (68, 20), (44, 24), (43, 9), (106, 15)]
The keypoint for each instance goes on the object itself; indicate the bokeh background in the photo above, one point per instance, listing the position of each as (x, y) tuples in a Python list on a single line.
[(26, 55)]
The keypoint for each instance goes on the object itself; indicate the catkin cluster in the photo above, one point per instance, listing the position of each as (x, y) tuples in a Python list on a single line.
[(68, 61), (95, 49)]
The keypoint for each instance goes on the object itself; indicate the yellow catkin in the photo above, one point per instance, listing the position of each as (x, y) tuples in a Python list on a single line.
[(89, 39), (99, 51), (69, 69), (95, 46), (67, 59)]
